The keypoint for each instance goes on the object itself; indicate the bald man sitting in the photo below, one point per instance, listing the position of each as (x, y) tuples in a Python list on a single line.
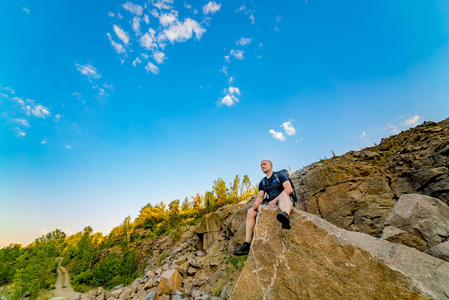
[(273, 190)]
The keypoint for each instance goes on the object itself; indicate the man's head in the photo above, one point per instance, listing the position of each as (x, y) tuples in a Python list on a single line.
[(266, 166)]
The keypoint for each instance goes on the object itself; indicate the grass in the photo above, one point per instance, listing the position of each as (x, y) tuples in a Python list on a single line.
[(161, 257)]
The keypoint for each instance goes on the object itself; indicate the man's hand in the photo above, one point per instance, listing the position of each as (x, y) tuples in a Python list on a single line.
[(256, 206)]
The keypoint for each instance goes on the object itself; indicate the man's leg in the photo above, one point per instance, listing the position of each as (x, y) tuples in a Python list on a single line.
[(250, 223), (286, 205)]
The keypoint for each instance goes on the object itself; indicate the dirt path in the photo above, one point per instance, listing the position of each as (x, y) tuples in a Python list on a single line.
[(63, 288)]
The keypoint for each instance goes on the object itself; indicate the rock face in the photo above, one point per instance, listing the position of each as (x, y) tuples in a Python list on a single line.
[(399, 236), (357, 190), (425, 217), (317, 260), (440, 251)]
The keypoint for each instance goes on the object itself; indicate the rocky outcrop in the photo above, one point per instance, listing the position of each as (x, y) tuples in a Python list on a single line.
[(357, 190), (425, 217), (317, 260)]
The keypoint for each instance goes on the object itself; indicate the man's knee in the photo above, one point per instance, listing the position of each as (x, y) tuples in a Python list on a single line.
[(251, 213)]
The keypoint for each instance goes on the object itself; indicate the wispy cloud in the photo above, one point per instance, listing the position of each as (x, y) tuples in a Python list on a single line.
[(68, 146), (159, 57), (243, 41), (133, 8), (211, 8), (392, 129), (277, 135), (9, 89), (22, 122), (88, 70), (238, 54), (289, 129), (19, 132), (231, 96), (412, 121), (121, 34), (118, 47), (148, 40), (151, 68), (38, 110), (181, 32), (26, 10)]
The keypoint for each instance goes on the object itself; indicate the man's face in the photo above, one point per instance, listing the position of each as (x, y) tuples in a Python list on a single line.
[(265, 166)]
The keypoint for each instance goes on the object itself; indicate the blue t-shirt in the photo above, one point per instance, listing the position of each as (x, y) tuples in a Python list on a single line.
[(273, 187)]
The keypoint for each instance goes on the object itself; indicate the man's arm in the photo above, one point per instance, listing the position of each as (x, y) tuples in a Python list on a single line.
[(287, 190), (258, 200)]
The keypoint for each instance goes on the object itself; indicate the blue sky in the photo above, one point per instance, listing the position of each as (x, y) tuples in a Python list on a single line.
[(108, 105)]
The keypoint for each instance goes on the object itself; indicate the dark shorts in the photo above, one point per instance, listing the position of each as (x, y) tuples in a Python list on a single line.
[(265, 201)]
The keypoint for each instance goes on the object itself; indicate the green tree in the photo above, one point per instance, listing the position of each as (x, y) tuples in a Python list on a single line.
[(220, 190)]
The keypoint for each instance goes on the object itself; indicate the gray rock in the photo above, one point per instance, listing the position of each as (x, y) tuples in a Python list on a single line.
[(117, 287), (195, 293), (423, 216), (116, 293), (151, 295), (440, 251), (176, 297)]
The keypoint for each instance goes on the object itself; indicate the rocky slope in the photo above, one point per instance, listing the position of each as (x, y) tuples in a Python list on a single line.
[(363, 229)]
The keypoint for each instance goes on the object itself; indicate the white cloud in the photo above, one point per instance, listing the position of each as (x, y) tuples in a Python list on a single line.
[(9, 89), (151, 67), (278, 19), (234, 90), (231, 80), (224, 70), (146, 18), (226, 57), (253, 19), (58, 117), (241, 8), (118, 47), (19, 132), (88, 70), (230, 98), (392, 129), (44, 141), (133, 8), (68, 147), (38, 111), (168, 19), (159, 57), (136, 61), (188, 6), (412, 121), (277, 135), (26, 10), (180, 32), (119, 16), (111, 14), (238, 54), (289, 129), (363, 133), (243, 41), (121, 34), (162, 4), (22, 122), (19, 101), (211, 7), (136, 25), (148, 40), (108, 86)]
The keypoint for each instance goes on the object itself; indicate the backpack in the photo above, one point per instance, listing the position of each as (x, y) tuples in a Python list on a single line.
[(293, 194)]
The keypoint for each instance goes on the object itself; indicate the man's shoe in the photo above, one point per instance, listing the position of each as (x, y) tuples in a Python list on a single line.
[(284, 218), (243, 249)]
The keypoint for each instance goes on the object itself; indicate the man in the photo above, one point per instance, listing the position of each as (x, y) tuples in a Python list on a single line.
[(278, 193)]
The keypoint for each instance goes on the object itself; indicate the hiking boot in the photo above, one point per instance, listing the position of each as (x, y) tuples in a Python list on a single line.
[(284, 218), (243, 249)]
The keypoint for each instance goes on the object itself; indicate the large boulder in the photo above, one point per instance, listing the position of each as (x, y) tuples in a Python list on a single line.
[(317, 260), (423, 216)]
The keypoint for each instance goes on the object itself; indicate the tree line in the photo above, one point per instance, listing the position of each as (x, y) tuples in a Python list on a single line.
[(33, 269)]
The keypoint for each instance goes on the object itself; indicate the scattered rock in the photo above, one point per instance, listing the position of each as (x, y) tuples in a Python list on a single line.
[(170, 281)]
